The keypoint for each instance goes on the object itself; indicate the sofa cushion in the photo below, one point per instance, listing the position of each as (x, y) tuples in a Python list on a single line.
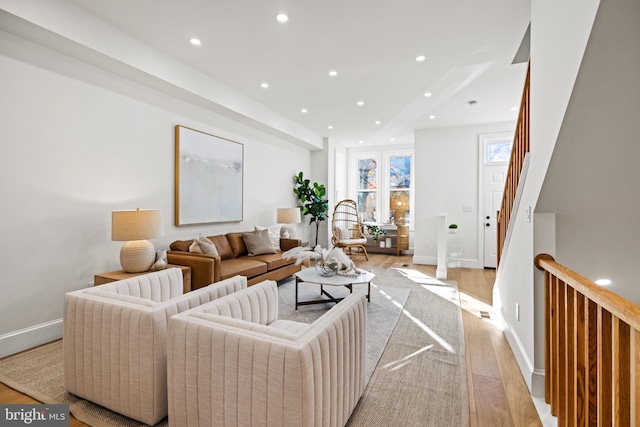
[(181, 245), (222, 245), (274, 261), (243, 266), (237, 244), (258, 243)]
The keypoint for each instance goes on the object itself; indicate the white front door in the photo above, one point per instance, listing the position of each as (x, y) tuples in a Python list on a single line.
[(495, 151), (494, 177)]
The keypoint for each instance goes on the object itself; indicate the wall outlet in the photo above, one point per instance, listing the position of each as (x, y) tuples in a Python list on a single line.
[(517, 312), (467, 209)]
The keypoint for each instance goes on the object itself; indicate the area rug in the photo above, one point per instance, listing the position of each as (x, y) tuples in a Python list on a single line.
[(421, 377), (39, 372)]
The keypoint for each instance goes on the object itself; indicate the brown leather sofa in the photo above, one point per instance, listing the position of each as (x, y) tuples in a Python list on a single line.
[(233, 259)]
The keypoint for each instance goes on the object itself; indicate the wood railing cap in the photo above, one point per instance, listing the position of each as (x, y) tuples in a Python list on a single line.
[(541, 257)]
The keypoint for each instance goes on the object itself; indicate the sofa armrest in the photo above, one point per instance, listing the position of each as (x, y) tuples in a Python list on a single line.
[(205, 268), (286, 244)]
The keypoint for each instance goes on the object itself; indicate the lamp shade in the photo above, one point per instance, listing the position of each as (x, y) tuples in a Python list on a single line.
[(139, 224), (400, 202), (288, 216)]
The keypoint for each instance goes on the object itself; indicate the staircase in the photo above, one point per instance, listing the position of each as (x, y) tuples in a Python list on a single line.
[(514, 173)]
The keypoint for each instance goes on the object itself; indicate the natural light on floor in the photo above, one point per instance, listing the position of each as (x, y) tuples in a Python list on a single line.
[(465, 301)]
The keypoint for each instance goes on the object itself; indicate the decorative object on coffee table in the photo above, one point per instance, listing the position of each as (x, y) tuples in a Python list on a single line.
[(134, 227), (288, 217), (308, 275)]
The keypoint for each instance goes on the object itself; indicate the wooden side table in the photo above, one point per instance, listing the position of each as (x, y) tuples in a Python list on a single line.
[(112, 276)]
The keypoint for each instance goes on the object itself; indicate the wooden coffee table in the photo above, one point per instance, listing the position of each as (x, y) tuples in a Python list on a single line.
[(309, 275)]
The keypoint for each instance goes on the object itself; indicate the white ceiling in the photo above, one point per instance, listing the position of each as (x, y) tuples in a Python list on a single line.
[(469, 46)]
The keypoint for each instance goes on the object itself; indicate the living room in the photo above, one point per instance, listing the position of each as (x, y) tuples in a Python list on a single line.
[(90, 140)]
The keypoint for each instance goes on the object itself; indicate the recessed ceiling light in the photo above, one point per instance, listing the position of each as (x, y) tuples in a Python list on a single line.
[(432, 116), (194, 41), (420, 58), (361, 142), (603, 282), (427, 94), (304, 111), (281, 17), (360, 103), (392, 139), (513, 108), (264, 85), (333, 73), (329, 127), (377, 122)]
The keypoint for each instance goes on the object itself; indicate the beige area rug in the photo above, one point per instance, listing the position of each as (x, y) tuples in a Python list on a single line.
[(421, 377), (39, 372)]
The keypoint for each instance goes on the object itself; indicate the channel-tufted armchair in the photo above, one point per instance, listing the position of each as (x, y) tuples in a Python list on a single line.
[(246, 367), (115, 340)]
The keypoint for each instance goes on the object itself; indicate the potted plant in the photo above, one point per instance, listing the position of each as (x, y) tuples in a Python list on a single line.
[(313, 200), (375, 231)]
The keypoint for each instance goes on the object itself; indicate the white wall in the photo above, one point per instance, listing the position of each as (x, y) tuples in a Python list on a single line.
[(559, 33), (78, 143), (446, 180), (596, 156)]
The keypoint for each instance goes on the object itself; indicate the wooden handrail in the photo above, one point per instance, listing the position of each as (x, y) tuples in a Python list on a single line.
[(592, 350), (518, 152)]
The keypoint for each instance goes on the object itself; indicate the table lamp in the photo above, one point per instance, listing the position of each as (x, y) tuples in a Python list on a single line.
[(288, 216), (134, 227), (399, 205)]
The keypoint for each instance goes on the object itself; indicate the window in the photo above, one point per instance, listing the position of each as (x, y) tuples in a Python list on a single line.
[(400, 188), (367, 189), (383, 184)]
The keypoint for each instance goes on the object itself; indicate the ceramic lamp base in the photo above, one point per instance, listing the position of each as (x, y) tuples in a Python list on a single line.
[(137, 256)]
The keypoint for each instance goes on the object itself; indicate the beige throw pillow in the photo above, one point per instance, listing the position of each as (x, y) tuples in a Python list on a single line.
[(206, 245), (258, 243), (343, 234), (274, 235), (195, 248)]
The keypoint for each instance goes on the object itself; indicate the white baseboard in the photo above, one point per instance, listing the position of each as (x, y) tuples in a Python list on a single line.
[(432, 260), (537, 383), (526, 367), (33, 336), (425, 260)]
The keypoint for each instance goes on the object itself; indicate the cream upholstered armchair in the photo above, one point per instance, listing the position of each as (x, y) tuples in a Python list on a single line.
[(347, 227), (231, 362), (115, 340)]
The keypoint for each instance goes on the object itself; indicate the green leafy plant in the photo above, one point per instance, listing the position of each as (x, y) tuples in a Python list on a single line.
[(376, 231), (453, 226), (313, 200)]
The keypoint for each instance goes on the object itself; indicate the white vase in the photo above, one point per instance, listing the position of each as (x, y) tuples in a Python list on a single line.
[(388, 242), (161, 260), (382, 244)]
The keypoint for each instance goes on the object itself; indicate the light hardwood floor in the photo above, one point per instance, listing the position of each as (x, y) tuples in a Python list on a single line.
[(498, 395)]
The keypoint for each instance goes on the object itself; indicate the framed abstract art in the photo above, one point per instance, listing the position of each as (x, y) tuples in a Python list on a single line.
[(209, 178)]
